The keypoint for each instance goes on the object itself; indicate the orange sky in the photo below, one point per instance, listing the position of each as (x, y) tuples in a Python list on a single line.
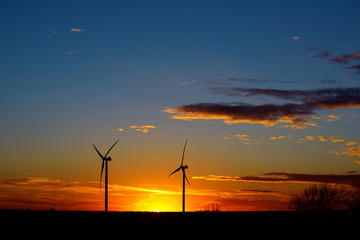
[(267, 94)]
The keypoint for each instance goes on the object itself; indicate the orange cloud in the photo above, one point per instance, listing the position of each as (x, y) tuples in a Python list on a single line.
[(353, 151), (243, 138), (76, 30), (323, 139), (351, 143), (144, 128), (268, 115), (332, 118), (278, 137)]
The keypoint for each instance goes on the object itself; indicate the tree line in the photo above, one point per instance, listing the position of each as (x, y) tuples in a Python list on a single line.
[(325, 197)]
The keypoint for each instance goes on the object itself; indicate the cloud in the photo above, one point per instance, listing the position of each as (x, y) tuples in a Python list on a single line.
[(268, 114), (356, 67), (324, 54), (76, 30), (186, 83), (322, 139), (342, 59), (144, 128), (72, 52), (246, 80), (351, 143), (139, 128), (345, 58), (243, 138), (325, 98), (295, 38), (352, 151), (278, 137), (297, 127), (332, 118), (279, 177), (296, 115)]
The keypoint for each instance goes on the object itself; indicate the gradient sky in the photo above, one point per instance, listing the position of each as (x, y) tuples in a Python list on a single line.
[(266, 91)]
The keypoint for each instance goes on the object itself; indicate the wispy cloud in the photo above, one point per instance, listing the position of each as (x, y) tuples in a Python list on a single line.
[(279, 177), (345, 58), (147, 128), (243, 138), (246, 80), (279, 137), (72, 52), (144, 128), (350, 151), (327, 98), (322, 139), (77, 30), (187, 83), (351, 143), (295, 38), (342, 59)]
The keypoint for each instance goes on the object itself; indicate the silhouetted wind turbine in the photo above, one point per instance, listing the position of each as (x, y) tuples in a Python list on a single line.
[(182, 167), (105, 159)]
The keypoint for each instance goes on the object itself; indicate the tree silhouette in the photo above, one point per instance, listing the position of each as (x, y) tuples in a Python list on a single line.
[(213, 207), (319, 198), (354, 200)]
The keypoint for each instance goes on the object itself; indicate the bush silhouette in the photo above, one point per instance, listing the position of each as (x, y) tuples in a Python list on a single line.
[(320, 198)]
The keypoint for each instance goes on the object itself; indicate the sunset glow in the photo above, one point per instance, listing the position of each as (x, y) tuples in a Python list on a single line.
[(267, 94)]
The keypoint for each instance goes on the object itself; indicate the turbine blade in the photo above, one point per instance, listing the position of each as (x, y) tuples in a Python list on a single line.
[(111, 147), (98, 152), (182, 159), (186, 178), (174, 171), (102, 169)]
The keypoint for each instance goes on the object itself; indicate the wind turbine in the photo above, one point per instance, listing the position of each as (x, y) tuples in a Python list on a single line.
[(182, 167), (105, 159)]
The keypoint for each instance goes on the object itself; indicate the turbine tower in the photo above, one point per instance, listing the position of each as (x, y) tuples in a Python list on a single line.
[(105, 159), (182, 167)]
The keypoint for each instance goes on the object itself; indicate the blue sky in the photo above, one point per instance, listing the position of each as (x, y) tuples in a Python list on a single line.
[(74, 73)]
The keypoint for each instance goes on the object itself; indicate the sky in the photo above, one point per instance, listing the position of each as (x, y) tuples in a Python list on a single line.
[(266, 92)]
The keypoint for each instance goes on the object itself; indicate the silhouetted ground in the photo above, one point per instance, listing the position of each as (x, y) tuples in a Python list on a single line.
[(242, 224)]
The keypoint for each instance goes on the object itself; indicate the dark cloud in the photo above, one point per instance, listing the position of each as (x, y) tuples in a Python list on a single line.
[(342, 59), (356, 67), (247, 80), (324, 54), (277, 177), (345, 58), (270, 114), (320, 98)]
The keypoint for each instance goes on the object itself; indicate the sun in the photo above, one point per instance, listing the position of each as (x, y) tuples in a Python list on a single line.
[(159, 203)]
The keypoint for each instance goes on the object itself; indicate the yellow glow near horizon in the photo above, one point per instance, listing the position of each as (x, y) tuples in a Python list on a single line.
[(157, 203)]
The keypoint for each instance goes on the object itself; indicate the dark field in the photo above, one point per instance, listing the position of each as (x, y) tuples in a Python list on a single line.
[(80, 223)]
